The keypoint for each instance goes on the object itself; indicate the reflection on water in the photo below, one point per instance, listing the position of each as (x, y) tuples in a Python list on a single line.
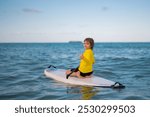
[(86, 92)]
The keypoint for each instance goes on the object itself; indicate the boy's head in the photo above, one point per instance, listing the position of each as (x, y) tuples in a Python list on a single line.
[(88, 43)]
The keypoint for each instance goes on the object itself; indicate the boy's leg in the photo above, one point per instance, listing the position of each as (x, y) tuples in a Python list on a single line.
[(90, 76), (78, 74), (73, 74)]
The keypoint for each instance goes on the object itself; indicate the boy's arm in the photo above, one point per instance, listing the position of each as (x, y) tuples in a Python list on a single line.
[(85, 59)]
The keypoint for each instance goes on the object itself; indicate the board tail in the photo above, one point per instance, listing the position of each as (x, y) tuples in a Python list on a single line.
[(117, 85), (51, 66)]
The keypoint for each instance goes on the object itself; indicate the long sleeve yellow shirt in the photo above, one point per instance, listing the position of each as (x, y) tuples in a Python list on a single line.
[(86, 64)]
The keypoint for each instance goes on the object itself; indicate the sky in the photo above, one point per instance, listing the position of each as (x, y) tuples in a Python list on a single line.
[(74, 20)]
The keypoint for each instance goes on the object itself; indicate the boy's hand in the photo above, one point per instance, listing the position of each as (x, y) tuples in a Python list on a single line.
[(81, 56)]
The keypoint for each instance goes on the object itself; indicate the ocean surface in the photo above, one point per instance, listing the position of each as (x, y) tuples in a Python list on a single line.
[(22, 66)]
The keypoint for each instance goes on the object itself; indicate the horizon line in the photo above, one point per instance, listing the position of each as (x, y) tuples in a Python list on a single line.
[(81, 42)]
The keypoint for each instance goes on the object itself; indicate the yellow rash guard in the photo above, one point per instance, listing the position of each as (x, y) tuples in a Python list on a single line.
[(86, 64)]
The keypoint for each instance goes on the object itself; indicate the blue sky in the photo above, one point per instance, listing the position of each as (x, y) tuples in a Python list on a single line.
[(65, 20)]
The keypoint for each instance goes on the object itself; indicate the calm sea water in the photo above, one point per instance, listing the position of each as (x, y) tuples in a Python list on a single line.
[(22, 66)]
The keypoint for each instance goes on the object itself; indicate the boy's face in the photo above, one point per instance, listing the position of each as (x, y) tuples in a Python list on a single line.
[(86, 45)]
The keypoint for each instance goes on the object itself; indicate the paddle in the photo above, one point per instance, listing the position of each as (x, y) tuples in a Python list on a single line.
[(67, 76)]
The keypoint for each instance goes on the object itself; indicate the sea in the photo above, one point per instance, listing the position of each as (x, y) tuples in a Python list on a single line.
[(22, 71)]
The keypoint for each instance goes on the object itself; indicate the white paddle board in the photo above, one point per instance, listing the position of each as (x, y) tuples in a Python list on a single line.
[(59, 75)]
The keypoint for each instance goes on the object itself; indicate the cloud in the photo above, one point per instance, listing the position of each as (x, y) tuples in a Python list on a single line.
[(31, 10)]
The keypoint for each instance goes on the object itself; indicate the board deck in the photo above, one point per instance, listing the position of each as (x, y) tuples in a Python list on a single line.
[(59, 75)]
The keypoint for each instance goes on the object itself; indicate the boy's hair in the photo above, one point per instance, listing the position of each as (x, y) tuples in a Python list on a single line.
[(91, 41)]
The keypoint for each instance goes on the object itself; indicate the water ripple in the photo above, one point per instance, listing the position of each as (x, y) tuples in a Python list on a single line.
[(22, 66)]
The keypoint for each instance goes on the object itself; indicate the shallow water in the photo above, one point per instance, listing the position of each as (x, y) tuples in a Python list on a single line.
[(22, 66)]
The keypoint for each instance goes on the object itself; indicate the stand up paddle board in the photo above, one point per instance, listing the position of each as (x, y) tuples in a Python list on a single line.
[(60, 75)]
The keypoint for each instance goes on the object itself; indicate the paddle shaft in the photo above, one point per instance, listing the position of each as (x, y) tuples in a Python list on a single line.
[(67, 76)]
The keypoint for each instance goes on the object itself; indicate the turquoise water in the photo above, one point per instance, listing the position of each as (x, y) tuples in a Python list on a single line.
[(22, 66)]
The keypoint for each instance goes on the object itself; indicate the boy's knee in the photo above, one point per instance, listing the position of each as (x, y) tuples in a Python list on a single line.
[(67, 71)]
